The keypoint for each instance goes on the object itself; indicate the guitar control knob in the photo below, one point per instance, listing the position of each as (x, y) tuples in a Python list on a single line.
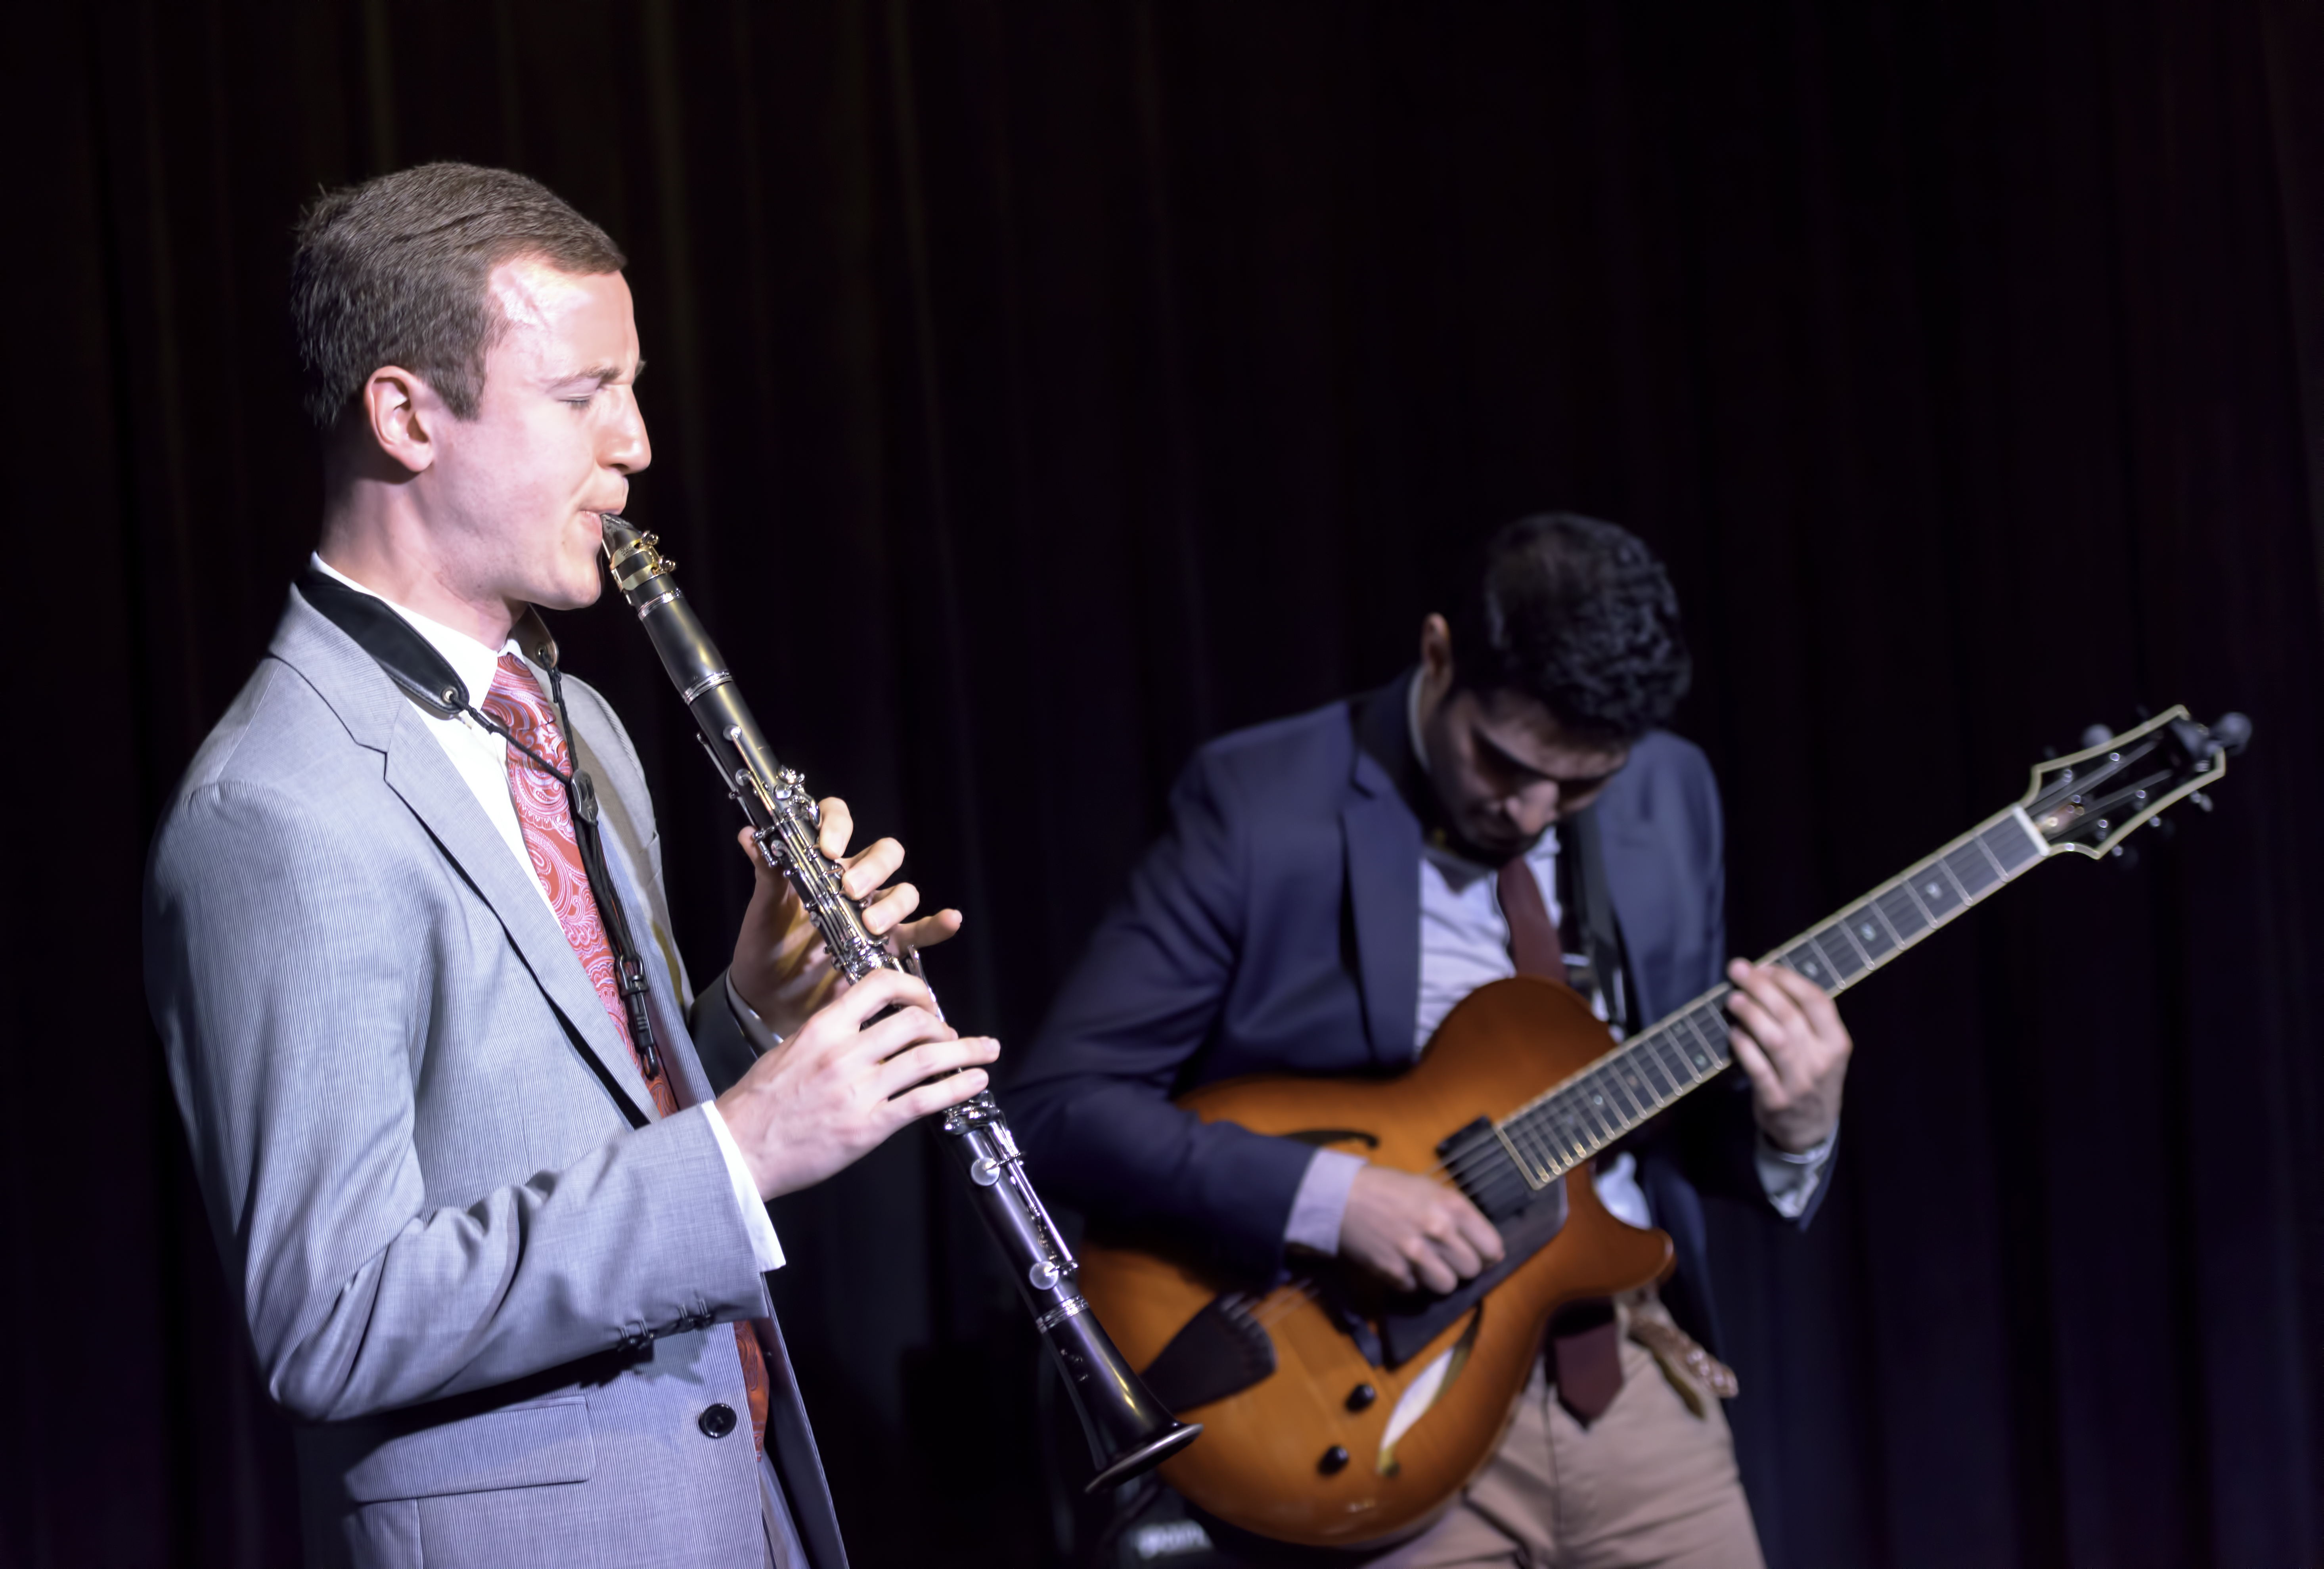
[(1361, 1396), (1335, 1460)]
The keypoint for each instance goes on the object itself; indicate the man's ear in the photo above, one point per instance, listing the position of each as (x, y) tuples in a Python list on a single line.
[(1436, 649), (400, 412)]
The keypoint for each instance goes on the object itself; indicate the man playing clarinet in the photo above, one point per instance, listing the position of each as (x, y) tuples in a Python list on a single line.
[(488, 1174)]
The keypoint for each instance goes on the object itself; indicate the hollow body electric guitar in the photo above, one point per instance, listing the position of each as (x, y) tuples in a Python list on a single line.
[(1337, 1418)]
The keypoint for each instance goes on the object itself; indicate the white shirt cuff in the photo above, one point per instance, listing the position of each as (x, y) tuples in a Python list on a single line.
[(765, 1250), (754, 1029), (1322, 1200), (1791, 1180)]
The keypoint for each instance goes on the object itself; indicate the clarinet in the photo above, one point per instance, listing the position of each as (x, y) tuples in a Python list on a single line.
[(1129, 1431)]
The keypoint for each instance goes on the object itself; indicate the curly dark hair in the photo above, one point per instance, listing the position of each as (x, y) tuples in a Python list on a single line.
[(1578, 614)]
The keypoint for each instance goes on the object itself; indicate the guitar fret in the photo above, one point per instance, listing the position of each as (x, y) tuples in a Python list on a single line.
[(1589, 1111), (1626, 1105), (1978, 873), (1655, 1072), (1604, 1113), (1901, 909), (1530, 1150), (1938, 892), (1692, 1053), (1871, 934), (1558, 1134), (1708, 1056), (2012, 843), (1710, 1023), (1838, 945), (1807, 959), (1632, 1074)]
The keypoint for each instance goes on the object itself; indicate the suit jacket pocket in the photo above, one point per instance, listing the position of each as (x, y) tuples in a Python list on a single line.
[(514, 1447)]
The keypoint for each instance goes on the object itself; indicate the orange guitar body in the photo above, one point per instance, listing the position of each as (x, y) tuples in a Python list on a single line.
[(1261, 1464)]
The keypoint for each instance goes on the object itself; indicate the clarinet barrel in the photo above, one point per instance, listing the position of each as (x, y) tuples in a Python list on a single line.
[(1128, 1432)]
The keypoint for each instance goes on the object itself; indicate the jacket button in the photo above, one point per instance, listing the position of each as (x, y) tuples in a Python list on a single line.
[(717, 1421)]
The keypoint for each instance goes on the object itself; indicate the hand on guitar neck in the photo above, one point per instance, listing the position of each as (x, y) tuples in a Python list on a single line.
[(1791, 1044)]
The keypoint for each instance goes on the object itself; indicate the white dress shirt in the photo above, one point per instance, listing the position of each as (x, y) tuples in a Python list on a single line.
[(480, 758), (1464, 943)]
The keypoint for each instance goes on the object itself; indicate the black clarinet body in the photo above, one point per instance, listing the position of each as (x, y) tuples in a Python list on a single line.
[(1128, 1432)]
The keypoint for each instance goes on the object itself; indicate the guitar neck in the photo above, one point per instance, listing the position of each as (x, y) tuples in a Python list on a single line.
[(1566, 1125)]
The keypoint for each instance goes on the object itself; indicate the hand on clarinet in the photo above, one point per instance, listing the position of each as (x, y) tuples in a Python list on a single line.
[(834, 1091), (780, 966)]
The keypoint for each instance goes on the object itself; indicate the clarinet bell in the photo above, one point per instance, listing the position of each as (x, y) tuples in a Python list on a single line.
[(1128, 1430)]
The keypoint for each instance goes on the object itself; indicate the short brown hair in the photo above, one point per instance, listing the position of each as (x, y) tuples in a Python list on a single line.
[(393, 271)]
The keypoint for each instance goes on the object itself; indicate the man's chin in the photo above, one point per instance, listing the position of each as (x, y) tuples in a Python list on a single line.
[(576, 593), (1500, 846)]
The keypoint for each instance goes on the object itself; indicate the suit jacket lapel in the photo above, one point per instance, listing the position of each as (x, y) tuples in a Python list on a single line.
[(1639, 888), (666, 995), (1380, 837), (379, 716)]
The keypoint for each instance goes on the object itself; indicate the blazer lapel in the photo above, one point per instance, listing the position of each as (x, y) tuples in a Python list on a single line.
[(380, 716), (1380, 839), (665, 993), (1638, 885)]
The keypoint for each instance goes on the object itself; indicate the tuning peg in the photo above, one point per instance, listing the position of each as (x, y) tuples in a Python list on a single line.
[(2232, 732), (2096, 736)]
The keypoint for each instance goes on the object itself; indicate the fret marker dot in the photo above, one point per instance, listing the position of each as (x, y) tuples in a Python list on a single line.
[(1931, 890), (1866, 930)]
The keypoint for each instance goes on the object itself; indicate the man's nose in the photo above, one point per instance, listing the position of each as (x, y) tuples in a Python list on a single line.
[(1535, 810), (627, 448)]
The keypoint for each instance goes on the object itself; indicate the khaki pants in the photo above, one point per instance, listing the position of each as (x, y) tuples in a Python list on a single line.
[(1649, 1483)]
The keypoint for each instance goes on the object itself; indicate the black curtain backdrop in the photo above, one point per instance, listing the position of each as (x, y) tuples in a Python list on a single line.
[(1039, 389)]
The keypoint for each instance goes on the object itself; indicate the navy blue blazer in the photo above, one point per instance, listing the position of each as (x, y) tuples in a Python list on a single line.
[(1276, 928)]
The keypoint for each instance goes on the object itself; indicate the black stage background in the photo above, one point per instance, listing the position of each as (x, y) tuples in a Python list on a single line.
[(1042, 388)]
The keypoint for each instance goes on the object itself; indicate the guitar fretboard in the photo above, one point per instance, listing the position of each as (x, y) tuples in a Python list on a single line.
[(1555, 1131)]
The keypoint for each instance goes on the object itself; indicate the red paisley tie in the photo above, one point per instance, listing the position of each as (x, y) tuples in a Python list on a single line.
[(546, 817)]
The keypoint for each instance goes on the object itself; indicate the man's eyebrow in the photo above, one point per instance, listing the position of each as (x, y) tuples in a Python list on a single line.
[(602, 374), (1509, 759), (1519, 765)]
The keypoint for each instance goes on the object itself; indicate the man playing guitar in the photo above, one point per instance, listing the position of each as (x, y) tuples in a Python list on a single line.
[(1330, 887)]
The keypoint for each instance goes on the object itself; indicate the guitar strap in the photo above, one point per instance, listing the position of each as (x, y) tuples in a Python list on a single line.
[(1581, 862)]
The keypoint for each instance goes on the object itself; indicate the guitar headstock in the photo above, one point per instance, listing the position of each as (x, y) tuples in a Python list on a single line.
[(2092, 800)]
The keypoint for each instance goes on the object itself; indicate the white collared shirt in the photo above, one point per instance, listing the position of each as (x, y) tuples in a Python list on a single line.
[(480, 758), (1464, 943)]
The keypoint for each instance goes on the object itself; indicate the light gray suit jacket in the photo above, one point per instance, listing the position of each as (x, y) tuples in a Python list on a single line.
[(487, 1282)]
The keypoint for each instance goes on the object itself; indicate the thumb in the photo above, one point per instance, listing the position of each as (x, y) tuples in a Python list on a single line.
[(747, 843)]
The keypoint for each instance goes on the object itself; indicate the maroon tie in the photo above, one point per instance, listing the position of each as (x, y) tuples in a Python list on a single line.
[(1532, 935), (1588, 1363), (547, 819)]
